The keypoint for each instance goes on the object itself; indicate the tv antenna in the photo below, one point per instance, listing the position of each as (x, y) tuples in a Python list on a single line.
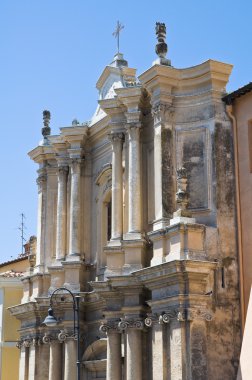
[(21, 228)]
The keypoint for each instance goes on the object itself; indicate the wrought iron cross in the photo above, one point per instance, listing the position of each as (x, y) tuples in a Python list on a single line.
[(116, 34)]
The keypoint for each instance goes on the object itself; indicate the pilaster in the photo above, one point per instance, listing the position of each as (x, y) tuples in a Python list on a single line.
[(41, 221), (117, 186), (61, 232), (74, 223)]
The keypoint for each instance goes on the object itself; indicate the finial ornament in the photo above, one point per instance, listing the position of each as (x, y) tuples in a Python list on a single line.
[(46, 130), (75, 122), (161, 46), (116, 34)]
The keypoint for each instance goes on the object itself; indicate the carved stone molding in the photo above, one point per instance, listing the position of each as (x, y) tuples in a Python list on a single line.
[(28, 342), (180, 315), (121, 326)]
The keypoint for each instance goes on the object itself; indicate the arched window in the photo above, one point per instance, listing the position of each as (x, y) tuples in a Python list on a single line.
[(104, 206)]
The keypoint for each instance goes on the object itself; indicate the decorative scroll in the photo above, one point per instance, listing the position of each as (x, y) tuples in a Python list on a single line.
[(123, 325), (62, 336), (47, 339)]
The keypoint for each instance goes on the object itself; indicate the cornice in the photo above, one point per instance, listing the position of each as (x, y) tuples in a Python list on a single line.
[(42, 153), (175, 271), (211, 72)]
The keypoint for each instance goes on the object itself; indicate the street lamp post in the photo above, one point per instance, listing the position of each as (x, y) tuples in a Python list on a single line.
[(51, 321)]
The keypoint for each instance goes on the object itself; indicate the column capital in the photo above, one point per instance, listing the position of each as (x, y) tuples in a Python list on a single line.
[(131, 324), (66, 335), (41, 181), (181, 315), (162, 112), (109, 327), (75, 164), (47, 339), (115, 137), (63, 169), (133, 130)]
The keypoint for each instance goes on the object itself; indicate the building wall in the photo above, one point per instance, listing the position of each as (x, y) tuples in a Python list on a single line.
[(11, 293), (242, 109), (21, 265)]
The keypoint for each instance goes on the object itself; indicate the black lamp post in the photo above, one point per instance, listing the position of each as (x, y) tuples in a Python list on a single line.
[(51, 321)]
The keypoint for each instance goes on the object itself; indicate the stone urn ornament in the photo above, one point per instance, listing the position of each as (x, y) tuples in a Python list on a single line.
[(161, 48)]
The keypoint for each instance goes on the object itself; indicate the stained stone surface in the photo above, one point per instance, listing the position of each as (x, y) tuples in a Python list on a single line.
[(160, 296)]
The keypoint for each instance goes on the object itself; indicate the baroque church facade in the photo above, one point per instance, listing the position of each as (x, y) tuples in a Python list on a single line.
[(136, 214)]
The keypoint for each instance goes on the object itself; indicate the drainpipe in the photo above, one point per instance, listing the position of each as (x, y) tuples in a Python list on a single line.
[(229, 108)]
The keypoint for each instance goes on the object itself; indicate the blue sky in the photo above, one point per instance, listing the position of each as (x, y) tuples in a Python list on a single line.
[(52, 53)]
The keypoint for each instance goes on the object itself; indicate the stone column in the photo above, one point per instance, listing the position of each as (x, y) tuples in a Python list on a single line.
[(74, 225), (134, 179), (159, 351), (114, 356), (70, 359), (42, 362), (177, 350), (134, 354), (163, 163), (61, 213), (117, 186), (41, 221), (23, 363), (32, 362), (55, 362)]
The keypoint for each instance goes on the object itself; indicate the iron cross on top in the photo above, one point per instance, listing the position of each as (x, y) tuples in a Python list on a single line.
[(116, 34)]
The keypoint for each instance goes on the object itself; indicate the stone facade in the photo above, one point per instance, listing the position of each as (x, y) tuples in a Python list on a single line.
[(136, 212)]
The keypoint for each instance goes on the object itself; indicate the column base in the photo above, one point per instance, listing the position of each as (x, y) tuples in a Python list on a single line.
[(73, 257), (132, 236), (39, 268), (114, 243), (115, 259), (57, 276), (40, 284), (76, 275), (135, 255)]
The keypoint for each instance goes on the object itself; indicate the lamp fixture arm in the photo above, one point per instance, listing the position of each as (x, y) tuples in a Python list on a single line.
[(75, 304)]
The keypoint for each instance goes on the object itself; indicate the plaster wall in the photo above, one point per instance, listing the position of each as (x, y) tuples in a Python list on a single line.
[(243, 114)]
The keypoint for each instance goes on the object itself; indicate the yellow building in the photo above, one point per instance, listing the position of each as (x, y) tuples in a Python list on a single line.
[(11, 292)]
